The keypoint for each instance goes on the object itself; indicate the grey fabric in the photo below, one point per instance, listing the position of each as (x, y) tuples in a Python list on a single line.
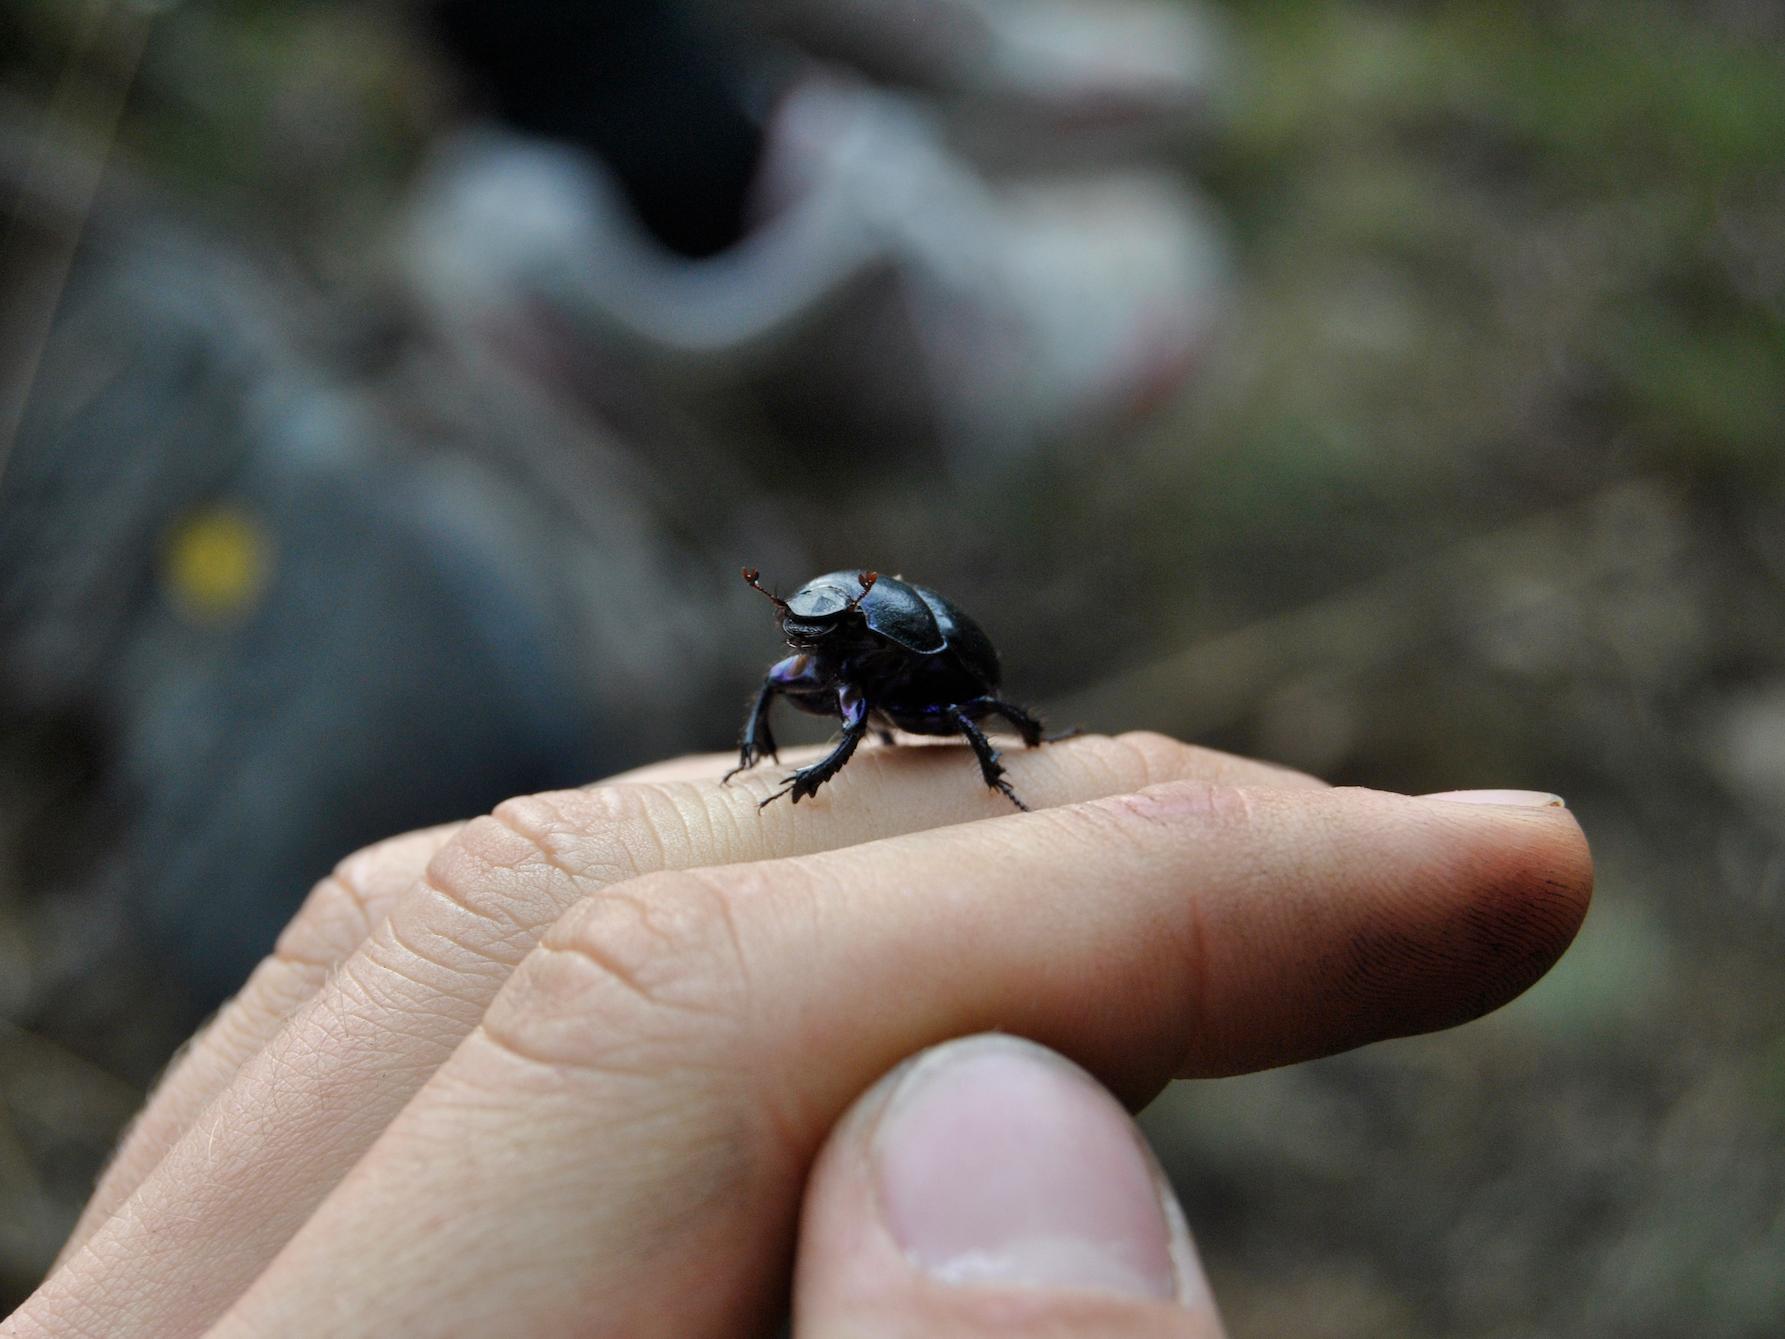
[(411, 657)]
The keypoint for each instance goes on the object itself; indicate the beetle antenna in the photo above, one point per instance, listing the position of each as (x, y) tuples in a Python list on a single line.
[(752, 576), (867, 579)]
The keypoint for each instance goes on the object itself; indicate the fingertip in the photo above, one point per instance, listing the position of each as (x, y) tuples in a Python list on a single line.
[(1510, 893), (1536, 842), (1361, 915)]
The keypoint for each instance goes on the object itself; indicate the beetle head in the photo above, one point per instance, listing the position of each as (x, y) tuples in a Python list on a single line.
[(817, 609)]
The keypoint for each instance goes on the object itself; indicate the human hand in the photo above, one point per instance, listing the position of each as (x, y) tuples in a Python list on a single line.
[(570, 1068)]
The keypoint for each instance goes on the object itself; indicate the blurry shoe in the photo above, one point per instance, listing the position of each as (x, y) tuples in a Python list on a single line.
[(888, 295), (1048, 75)]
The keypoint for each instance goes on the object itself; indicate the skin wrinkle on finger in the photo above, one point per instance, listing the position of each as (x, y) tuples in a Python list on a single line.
[(460, 946), (396, 975), (348, 1063), (683, 958), (636, 981), (643, 821), (1066, 926), (494, 876), (630, 823), (331, 923), (677, 957)]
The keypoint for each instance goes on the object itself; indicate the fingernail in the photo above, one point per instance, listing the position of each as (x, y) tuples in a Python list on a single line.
[(999, 1163), (1523, 799)]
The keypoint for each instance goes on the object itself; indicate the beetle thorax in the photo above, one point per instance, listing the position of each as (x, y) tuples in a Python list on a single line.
[(822, 611)]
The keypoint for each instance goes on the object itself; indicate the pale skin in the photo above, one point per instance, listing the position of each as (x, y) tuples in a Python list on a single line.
[(641, 1059)]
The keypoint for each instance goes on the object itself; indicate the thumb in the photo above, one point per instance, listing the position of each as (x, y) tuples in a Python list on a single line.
[(991, 1187)]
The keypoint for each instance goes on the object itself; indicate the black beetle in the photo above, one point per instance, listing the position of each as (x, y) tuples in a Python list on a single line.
[(883, 653)]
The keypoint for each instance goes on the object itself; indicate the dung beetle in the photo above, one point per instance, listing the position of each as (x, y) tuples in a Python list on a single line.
[(881, 653)]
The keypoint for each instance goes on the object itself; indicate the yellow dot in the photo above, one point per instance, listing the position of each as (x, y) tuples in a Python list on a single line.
[(216, 564)]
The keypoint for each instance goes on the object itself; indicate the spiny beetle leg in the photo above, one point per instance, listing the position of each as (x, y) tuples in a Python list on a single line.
[(1024, 724), (758, 740), (989, 766), (807, 780)]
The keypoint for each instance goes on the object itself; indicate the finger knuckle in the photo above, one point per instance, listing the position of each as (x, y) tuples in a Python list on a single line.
[(606, 834), (647, 974), (340, 914), (516, 869), (344, 908), (332, 921)]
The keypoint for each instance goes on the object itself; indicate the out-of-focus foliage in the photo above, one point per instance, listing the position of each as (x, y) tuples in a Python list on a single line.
[(1481, 486), (1497, 459)]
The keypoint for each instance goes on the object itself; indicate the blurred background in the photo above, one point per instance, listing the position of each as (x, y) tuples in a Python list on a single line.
[(390, 392)]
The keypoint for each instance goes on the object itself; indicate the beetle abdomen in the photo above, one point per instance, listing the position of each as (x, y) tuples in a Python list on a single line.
[(967, 642)]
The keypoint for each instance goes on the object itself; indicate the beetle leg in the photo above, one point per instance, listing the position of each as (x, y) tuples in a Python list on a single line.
[(854, 711), (989, 766), (758, 740), (799, 673), (1026, 725)]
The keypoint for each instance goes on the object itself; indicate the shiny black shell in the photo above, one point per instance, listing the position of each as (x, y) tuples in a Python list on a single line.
[(906, 614)]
